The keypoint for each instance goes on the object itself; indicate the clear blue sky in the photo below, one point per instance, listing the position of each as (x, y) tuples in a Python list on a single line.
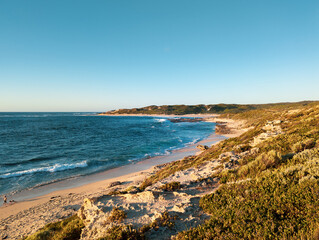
[(63, 55)]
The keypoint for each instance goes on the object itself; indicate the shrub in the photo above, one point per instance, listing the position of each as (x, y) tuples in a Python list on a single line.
[(316, 234), (122, 232), (297, 147), (242, 148), (312, 132), (166, 220), (67, 229), (227, 175), (117, 215), (304, 156), (271, 159), (306, 144), (261, 163), (172, 186), (309, 143), (114, 192)]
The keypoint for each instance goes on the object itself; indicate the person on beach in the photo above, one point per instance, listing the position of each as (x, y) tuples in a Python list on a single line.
[(4, 199)]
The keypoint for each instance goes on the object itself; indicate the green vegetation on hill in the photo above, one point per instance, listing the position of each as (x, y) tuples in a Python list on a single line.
[(278, 204), (272, 194), (205, 109)]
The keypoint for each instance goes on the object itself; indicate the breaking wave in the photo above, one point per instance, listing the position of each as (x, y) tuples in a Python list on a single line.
[(54, 168), (160, 120)]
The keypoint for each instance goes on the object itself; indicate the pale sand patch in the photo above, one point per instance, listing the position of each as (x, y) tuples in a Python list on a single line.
[(25, 217)]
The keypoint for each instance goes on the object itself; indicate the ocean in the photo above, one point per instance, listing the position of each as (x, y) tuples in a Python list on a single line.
[(42, 148)]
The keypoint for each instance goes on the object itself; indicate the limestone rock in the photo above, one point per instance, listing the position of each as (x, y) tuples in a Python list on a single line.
[(113, 184), (202, 147), (146, 196), (231, 164), (272, 129)]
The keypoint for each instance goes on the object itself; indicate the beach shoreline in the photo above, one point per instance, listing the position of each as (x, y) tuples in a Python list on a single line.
[(83, 179), (31, 197), (57, 198)]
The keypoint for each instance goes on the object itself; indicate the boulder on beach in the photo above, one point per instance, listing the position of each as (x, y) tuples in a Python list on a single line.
[(113, 184), (202, 147)]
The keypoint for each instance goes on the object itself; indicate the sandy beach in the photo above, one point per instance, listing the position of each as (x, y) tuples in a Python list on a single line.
[(34, 208)]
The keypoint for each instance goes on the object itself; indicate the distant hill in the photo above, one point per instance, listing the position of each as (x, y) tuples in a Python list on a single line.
[(205, 109)]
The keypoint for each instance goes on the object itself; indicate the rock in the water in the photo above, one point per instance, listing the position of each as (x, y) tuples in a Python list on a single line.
[(177, 120)]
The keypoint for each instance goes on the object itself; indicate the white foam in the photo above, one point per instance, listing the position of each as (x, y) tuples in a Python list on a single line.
[(194, 141), (160, 119), (167, 152), (54, 168)]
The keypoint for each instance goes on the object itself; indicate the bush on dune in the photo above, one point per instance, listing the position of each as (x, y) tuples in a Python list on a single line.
[(172, 186), (117, 215), (122, 232), (67, 229)]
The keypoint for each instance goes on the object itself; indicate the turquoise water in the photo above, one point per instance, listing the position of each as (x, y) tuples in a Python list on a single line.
[(40, 148)]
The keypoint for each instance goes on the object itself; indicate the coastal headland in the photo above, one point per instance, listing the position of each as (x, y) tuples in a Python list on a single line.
[(261, 171)]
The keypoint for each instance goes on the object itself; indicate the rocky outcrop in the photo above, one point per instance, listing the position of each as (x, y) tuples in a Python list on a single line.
[(202, 147), (272, 129), (143, 208), (94, 219), (231, 159), (113, 184), (188, 176), (231, 164), (222, 128), (177, 120)]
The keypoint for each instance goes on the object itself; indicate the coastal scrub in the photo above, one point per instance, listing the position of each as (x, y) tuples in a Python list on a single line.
[(273, 194), (67, 229)]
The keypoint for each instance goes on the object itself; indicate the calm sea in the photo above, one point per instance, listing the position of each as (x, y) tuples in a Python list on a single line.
[(39, 148)]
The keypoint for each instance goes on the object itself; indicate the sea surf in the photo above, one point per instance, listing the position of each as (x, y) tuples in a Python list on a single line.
[(39, 148)]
